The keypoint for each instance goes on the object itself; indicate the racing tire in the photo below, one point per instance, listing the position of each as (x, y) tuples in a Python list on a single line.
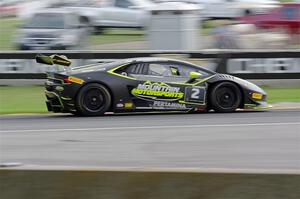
[(225, 97), (93, 100)]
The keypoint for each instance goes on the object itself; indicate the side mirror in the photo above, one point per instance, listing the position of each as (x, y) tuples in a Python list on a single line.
[(53, 59), (194, 75)]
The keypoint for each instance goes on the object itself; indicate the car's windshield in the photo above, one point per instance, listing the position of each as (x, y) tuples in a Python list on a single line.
[(47, 21)]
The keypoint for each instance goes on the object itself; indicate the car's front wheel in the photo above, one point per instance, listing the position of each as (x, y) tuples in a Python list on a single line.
[(225, 97), (93, 100)]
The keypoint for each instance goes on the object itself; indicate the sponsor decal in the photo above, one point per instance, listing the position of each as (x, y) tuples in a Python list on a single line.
[(157, 91), (128, 105), (257, 96), (168, 105), (74, 80)]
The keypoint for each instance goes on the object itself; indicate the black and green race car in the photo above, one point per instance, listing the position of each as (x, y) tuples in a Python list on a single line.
[(145, 85)]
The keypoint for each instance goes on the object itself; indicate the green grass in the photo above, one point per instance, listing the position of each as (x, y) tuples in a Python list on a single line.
[(30, 99), (116, 35), (8, 28), (27, 99), (276, 95)]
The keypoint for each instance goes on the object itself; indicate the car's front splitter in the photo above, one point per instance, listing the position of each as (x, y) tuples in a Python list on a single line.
[(258, 106)]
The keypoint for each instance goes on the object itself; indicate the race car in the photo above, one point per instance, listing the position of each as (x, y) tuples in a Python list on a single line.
[(145, 85)]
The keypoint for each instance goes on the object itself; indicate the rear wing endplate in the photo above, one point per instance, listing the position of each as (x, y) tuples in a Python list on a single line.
[(53, 59)]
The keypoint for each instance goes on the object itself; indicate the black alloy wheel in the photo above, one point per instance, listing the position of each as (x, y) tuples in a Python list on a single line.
[(93, 100), (225, 97)]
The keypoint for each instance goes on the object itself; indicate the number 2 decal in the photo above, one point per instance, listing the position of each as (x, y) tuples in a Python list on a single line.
[(195, 94)]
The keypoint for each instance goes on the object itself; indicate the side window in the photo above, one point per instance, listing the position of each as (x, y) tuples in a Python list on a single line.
[(134, 69), (123, 3), (157, 69), (185, 71), (176, 70)]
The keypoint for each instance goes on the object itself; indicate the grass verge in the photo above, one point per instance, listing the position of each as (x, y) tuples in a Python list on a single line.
[(115, 35), (31, 99), (26, 99), (276, 95), (8, 27)]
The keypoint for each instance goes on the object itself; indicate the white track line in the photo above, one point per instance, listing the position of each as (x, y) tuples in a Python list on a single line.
[(149, 127)]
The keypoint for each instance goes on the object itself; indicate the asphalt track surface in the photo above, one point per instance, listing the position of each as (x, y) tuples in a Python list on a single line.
[(242, 140)]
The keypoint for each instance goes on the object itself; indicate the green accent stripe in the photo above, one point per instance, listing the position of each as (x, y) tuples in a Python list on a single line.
[(191, 109), (194, 84), (66, 98), (183, 102), (204, 80), (112, 71)]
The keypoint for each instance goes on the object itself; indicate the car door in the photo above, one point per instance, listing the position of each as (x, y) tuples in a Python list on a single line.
[(164, 86)]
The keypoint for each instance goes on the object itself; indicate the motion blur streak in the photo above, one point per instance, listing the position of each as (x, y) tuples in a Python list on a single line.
[(151, 127)]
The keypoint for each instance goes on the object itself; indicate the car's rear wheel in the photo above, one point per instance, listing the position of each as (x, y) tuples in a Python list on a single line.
[(225, 97), (93, 100)]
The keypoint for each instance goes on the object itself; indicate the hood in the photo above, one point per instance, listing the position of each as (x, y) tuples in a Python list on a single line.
[(243, 83), (249, 85)]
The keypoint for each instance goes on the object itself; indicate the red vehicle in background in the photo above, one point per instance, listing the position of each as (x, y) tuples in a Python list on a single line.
[(8, 8), (286, 17)]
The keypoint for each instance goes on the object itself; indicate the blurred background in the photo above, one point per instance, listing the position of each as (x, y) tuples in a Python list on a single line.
[(263, 42), (149, 24)]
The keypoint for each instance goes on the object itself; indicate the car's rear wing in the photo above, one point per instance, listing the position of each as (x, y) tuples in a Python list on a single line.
[(53, 59)]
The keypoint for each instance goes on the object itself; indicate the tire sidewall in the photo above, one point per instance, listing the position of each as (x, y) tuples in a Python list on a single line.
[(79, 100)]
